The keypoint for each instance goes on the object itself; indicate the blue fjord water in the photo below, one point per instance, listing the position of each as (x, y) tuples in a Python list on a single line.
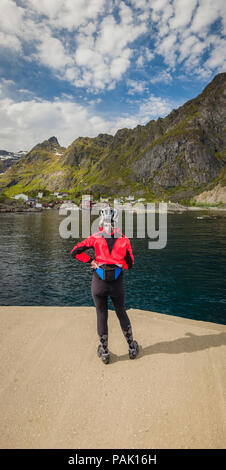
[(186, 278)]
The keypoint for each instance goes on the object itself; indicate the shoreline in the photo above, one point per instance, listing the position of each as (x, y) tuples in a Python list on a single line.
[(56, 393), (170, 210)]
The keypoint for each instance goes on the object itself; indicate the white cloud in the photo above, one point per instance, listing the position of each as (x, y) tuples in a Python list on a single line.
[(102, 60), (186, 46), (92, 43), (145, 55), (207, 12), (51, 53), (7, 83), (135, 87), (166, 47), (154, 107), (80, 41), (161, 77), (149, 54), (143, 4), (183, 10), (140, 61), (11, 16), (33, 120), (10, 41), (120, 64), (182, 32), (68, 14), (217, 58)]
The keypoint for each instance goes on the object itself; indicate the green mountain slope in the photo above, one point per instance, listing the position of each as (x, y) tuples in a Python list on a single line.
[(174, 158)]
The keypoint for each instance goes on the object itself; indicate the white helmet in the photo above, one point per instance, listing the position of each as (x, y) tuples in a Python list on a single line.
[(108, 215)]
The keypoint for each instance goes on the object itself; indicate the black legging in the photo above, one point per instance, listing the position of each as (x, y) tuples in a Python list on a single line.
[(100, 292)]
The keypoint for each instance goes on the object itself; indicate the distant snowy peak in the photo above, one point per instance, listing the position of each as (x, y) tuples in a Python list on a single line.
[(5, 155), (7, 159)]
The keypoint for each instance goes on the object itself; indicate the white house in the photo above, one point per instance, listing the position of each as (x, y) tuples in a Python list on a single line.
[(69, 206), (21, 196), (40, 195)]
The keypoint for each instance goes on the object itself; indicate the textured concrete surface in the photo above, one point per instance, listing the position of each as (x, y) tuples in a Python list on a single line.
[(56, 393)]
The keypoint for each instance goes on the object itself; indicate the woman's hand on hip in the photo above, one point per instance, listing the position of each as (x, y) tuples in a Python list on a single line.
[(94, 264)]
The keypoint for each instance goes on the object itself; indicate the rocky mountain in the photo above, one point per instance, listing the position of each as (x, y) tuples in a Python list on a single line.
[(9, 158), (176, 157)]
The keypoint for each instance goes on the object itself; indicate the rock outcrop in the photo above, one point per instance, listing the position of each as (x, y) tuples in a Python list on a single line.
[(215, 195)]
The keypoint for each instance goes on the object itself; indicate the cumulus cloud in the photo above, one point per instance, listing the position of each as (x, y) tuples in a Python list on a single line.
[(217, 58), (23, 123), (51, 52), (154, 107), (140, 61), (182, 13), (92, 43), (145, 56), (183, 29), (11, 17), (135, 87), (162, 77), (104, 60), (67, 14), (10, 41), (32, 121), (82, 42)]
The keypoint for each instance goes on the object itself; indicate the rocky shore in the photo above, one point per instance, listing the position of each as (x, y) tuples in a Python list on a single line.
[(17, 208), (171, 208)]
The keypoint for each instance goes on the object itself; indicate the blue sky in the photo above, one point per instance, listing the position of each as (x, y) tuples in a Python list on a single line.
[(75, 68)]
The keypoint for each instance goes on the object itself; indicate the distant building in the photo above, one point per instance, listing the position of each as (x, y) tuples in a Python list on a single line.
[(40, 195), (69, 205), (86, 201), (21, 196)]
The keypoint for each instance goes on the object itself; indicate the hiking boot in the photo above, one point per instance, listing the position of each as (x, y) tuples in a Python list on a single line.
[(134, 350), (105, 356)]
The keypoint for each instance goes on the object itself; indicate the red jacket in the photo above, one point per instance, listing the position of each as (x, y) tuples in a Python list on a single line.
[(108, 250)]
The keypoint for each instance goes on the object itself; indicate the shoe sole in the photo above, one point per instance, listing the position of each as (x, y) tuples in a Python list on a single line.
[(133, 355), (105, 359)]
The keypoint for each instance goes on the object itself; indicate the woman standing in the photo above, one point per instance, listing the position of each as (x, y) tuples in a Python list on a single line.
[(113, 253)]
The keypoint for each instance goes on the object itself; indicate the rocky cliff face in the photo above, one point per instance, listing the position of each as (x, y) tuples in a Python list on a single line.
[(191, 150), (174, 158)]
